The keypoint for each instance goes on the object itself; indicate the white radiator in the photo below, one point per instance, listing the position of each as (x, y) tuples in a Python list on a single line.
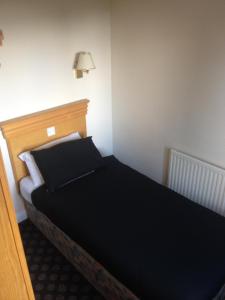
[(197, 180)]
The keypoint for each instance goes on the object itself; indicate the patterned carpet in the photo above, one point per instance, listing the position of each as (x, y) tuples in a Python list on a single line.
[(53, 277)]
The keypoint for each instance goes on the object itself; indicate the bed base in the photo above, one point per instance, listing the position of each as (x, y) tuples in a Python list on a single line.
[(93, 271)]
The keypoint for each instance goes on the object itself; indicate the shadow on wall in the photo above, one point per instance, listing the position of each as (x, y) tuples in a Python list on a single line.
[(77, 73), (166, 165)]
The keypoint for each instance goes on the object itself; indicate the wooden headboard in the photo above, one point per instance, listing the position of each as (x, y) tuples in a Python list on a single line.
[(30, 131)]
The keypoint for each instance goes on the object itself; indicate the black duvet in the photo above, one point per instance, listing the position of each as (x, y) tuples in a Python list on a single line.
[(156, 242)]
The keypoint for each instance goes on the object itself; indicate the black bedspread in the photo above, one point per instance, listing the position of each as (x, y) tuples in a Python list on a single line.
[(156, 242)]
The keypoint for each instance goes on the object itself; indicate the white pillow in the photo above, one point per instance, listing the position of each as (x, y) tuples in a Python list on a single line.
[(28, 158)]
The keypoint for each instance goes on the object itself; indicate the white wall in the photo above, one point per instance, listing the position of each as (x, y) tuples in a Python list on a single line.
[(41, 40), (168, 74)]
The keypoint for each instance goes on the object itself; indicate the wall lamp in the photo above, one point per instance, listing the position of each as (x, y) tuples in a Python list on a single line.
[(84, 63)]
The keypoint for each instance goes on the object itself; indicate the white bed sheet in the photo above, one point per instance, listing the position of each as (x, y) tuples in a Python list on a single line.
[(26, 188)]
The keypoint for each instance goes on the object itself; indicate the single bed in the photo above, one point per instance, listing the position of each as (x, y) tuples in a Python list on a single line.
[(131, 237)]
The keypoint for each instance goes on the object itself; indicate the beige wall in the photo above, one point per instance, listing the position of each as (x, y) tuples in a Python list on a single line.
[(41, 40), (168, 74)]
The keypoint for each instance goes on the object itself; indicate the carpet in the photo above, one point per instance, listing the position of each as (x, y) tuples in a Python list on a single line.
[(52, 276)]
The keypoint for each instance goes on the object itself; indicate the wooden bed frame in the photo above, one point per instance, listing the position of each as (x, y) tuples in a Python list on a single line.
[(30, 131)]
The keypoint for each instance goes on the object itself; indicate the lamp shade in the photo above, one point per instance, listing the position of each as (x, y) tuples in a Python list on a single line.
[(85, 62)]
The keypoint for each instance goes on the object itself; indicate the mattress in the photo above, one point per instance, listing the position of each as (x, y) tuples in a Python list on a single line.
[(26, 188), (156, 242)]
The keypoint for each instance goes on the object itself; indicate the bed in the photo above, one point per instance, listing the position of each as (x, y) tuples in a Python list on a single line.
[(129, 236)]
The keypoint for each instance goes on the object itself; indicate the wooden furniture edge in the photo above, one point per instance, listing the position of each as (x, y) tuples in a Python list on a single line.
[(16, 233)]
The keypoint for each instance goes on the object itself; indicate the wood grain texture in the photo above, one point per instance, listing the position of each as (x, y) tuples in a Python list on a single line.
[(15, 281), (30, 131)]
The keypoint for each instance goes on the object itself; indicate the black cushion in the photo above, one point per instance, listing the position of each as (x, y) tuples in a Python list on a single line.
[(67, 161)]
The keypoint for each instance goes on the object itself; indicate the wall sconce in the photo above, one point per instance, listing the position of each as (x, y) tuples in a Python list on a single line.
[(84, 63)]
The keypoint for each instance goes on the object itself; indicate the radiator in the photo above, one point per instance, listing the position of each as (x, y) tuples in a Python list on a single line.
[(197, 180)]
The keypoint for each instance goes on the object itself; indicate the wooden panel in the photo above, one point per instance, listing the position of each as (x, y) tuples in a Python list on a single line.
[(15, 281), (28, 132)]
